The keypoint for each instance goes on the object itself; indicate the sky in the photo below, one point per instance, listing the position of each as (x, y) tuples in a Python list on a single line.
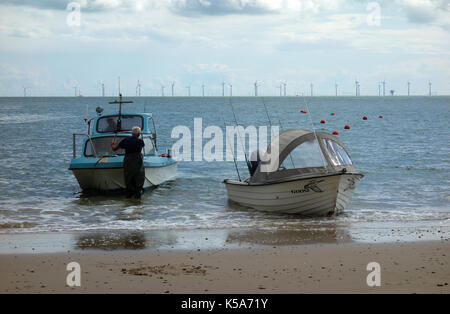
[(59, 48)]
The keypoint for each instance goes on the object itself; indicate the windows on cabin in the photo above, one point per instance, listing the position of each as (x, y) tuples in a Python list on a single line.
[(308, 154), (109, 123), (101, 146), (336, 152)]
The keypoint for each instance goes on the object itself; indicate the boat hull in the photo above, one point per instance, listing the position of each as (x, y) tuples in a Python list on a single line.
[(314, 196), (112, 179)]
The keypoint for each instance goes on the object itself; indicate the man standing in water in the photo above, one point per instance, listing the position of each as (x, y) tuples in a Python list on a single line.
[(133, 165)]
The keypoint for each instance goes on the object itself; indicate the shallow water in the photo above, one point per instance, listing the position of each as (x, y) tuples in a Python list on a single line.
[(405, 157)]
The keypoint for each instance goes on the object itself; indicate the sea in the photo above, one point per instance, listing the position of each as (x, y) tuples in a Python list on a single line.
[(404, 156)]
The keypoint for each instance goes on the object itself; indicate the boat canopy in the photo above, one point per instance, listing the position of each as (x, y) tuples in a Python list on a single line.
[(109, 123), (302, 153)]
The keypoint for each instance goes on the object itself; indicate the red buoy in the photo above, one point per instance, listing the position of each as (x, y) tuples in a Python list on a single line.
[(381, 117), (303, 111), (322, 121), (335, 133), (332, 113), (347, 127), (364, 118)]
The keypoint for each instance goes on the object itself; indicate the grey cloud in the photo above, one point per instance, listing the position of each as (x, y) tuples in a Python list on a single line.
[(41, 4), (426, 11), (218, 7), (86, 5)]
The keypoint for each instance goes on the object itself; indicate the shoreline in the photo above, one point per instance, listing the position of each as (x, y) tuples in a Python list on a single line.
[(413, 267)]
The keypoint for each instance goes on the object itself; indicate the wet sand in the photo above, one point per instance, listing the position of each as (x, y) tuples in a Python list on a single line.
[(420, 267)]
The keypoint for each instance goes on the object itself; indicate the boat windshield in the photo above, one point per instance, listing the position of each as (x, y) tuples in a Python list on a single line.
[(307, 154), (337, 153), (101, 146), (109, 124)]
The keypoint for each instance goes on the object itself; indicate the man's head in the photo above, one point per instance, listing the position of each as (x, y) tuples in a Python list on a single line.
[(136, 131)]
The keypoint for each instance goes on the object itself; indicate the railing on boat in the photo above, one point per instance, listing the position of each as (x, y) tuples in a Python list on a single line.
[(74, 148)]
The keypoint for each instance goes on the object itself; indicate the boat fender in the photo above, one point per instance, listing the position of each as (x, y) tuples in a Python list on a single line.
[(164, 155), (344, 170)]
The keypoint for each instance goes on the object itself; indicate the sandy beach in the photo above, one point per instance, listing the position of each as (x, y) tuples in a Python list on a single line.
[(418, 267)]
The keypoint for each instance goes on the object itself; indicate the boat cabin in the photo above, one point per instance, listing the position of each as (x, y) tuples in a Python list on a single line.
[(106, 128), (302, 153)]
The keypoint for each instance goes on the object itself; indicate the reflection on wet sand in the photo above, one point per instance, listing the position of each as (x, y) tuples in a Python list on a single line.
[(112, 241), (124, 240), (295, 235)]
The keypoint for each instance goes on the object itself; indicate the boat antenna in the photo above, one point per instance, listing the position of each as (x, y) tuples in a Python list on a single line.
[(231, 148), (86, 115), (315, 134), (119, 120), (240, 139)]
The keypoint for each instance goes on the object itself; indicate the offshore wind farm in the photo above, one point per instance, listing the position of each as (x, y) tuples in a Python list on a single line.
[(258, 88)]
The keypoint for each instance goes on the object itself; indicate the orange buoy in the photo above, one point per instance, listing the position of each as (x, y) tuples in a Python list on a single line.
[(381, 117), (303, 111), (347, 127), (335, 133), (364, 118), (332, 113), (322, 121)]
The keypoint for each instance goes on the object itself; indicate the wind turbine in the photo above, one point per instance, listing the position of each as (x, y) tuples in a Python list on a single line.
[(284, 83), (223, 89), (162, 90), (231, 90), (336, 88), (24, 91), (138, 89), (384, 87), (203, 90), (280, 87), (103, 89), (256, 88), (189, 90), (409, 85), (312, 86), (173, 85), (429, 88)]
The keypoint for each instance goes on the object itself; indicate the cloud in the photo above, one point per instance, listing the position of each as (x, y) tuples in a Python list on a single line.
[(190, 7), (425, 11), (207, 68), (222, 7)]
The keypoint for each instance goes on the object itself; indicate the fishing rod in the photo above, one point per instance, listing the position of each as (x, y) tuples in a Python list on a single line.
[(232, 152), (270, 123), (315, 135), (240, 140)]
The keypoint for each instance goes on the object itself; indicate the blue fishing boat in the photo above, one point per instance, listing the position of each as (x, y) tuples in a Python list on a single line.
[(100, 168)]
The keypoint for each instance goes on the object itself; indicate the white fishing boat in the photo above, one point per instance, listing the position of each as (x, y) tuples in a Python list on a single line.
[(312, 175)]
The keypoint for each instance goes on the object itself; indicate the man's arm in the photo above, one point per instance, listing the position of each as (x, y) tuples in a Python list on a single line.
[(114, 146)]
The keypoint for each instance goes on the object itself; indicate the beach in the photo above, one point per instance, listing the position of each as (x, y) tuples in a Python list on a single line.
[(415, 267)]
